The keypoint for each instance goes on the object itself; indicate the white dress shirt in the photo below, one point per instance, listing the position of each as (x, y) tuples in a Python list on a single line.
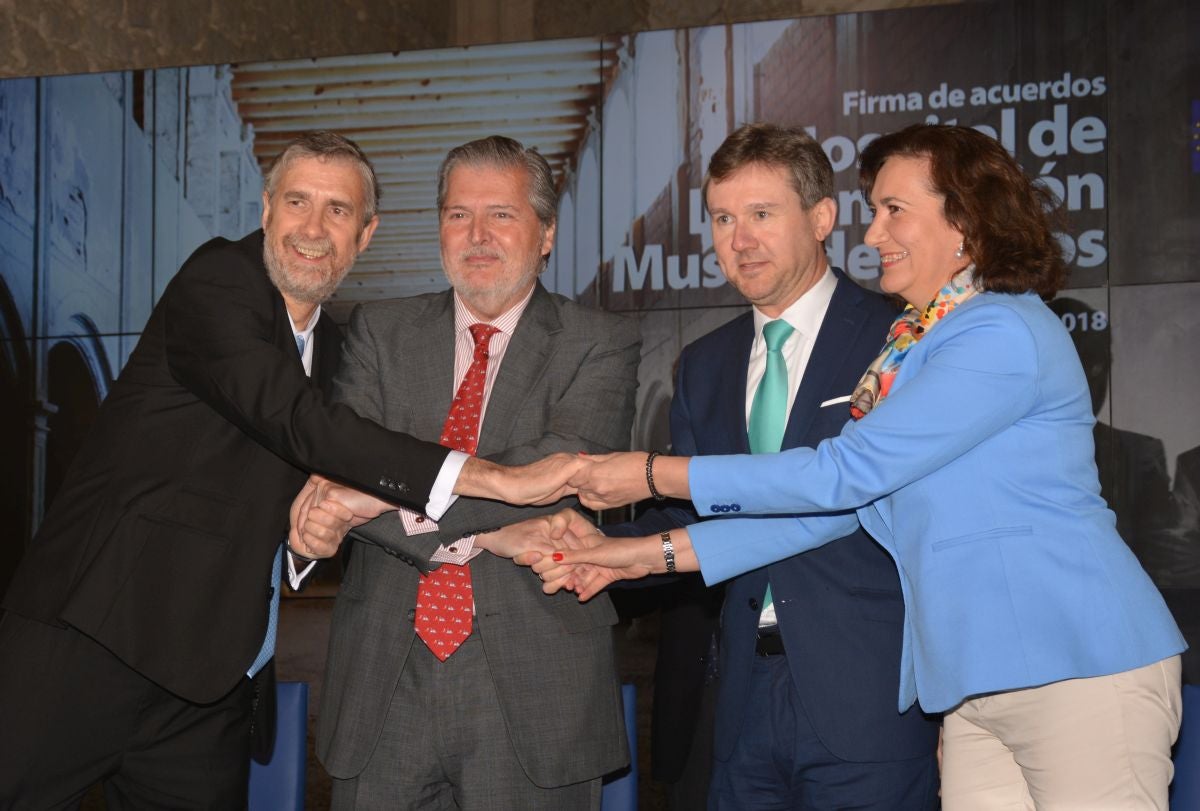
[(805, 315)]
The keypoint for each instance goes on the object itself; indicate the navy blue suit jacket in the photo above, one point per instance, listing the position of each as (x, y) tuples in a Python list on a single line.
[(839, 607)]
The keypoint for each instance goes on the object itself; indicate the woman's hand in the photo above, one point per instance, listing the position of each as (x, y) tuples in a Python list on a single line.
[(600, 561), (617, 479)]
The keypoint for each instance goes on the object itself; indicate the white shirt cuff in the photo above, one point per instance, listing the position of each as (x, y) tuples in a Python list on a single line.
[(441, 495), (295, 578)]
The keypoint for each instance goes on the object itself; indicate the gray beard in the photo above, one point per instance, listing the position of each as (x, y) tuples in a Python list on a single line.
[(287, 286)]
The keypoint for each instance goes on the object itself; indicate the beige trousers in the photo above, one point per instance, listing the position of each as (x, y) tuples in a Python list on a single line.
[(1083, 744)]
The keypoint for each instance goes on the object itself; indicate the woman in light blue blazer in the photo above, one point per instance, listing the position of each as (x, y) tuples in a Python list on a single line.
[(1028, 620)]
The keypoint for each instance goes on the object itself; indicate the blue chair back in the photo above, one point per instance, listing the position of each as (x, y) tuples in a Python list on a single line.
[(1185, 788), (279, 784), (620, 789)]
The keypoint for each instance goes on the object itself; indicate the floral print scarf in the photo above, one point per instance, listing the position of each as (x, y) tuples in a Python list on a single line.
[(907, 329)]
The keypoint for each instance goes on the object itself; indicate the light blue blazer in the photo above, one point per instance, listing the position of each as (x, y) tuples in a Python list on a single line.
[(977, 474)]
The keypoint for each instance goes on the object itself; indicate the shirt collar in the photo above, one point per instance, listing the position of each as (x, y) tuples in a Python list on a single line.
[(805, 313), (307, 332), (506, 322)]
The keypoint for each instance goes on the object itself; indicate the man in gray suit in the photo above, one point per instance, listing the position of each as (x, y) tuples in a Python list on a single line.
[(522, 708)]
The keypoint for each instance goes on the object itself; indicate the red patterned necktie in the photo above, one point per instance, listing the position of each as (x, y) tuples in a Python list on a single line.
[(444, 603)]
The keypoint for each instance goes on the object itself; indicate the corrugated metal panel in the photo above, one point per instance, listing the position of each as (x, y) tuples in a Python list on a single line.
[(406, 111)]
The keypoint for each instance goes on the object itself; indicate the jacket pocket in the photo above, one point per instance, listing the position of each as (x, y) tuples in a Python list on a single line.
[(201, 511), (986, 535)]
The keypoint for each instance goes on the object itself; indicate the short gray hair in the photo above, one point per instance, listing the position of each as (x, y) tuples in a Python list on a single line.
[(505, 153), (327, 145)]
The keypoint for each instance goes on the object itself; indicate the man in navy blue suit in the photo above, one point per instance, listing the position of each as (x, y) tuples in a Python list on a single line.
[(806, 697)]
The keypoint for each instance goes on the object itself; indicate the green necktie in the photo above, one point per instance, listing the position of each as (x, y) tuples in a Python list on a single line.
[(768, 412)]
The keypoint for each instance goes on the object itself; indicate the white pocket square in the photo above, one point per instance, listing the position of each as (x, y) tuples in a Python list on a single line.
[(836, 400)]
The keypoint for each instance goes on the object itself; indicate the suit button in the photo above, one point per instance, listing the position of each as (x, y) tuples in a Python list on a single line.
[(737, 508), (402, 487), (384, 482), (412, 613), (753, 604)]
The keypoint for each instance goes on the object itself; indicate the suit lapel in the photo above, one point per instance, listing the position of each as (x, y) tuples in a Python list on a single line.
[(432, 342), (326, 353), (728, 379), (839, 331), (285, 339), (529, 351)]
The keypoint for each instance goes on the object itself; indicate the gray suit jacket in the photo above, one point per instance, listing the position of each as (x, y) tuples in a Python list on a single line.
[(567, 383)]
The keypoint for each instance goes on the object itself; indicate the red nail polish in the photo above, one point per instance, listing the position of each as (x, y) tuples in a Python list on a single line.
[(557, 556)]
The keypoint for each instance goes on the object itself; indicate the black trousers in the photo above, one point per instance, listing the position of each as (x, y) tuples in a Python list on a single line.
[(72, 714)]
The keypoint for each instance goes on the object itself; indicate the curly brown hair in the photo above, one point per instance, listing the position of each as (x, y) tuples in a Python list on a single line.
[(1007, 221)]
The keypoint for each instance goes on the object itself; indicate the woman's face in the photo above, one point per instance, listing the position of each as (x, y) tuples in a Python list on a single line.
[(917, 246)]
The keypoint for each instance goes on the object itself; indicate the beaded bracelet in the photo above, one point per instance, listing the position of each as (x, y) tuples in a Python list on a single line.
[(650, 476)]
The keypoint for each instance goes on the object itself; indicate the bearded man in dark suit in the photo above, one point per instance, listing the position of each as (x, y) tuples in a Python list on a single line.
[(139, 622)]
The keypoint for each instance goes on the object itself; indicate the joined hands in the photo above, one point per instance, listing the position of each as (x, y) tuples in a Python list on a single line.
[(601, 480), (323, 512), (564, 549), (582, 559)]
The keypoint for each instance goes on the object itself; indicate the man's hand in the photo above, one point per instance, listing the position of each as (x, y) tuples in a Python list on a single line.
[(540, 482), (323, 512), (528, 539), (574, 530), (527, 542)]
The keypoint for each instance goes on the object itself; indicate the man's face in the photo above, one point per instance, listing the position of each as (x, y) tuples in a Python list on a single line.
[(767, 243), (492, 241), (314, 227)]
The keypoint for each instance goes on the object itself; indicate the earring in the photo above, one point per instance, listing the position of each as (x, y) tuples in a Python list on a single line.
[(958, 254)]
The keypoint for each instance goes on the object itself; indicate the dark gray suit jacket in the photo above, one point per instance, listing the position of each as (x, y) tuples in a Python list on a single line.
[(567, 383)]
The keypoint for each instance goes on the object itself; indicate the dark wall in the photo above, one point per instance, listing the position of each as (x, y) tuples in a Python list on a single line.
[(56, 37)]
